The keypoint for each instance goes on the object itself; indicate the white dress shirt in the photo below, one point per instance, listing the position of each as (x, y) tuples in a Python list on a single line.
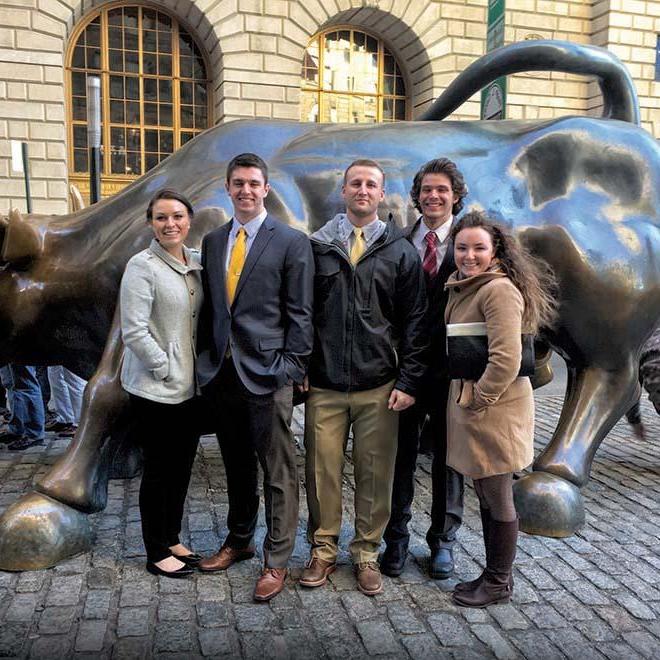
[(442, 232), (251, 228)]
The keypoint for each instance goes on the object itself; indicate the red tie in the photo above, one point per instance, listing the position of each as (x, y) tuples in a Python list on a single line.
[(430, 263)]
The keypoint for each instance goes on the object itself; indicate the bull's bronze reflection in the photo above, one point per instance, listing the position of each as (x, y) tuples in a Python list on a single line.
[(581, 192)]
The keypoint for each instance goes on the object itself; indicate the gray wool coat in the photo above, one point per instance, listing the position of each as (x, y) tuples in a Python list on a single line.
[(160, 299)]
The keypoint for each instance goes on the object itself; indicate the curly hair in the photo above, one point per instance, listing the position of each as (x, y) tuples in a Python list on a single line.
[(531, 275), (449, 169)]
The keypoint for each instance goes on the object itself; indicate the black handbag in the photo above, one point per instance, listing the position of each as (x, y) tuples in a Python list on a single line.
[(467, 351)]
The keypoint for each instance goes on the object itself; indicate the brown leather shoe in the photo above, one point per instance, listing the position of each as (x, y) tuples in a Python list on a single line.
[(316, 572), (270, 583), (369, 579), (224, 558)]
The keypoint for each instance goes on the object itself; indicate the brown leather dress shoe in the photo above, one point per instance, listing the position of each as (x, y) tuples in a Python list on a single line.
[(316, 572), (270, 583), (224, 558), (369, 579)]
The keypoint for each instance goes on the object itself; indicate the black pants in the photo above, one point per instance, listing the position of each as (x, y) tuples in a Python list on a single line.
[(447, 484), (255, 429), (168, 435)]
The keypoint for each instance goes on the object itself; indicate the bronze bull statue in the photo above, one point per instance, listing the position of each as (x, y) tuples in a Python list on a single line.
[(581, 192)]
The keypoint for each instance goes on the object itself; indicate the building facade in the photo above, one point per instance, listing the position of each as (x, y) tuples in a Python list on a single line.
[(172, 68)]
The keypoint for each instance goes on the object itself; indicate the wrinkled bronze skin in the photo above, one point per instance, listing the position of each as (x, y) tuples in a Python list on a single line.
[(580, 192)]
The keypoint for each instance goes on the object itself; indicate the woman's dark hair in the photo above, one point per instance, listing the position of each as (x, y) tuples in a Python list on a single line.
[(168, 193), (449, 169), (530, 274)]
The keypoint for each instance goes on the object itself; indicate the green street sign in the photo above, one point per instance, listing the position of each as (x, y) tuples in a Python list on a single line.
[(493, 100)]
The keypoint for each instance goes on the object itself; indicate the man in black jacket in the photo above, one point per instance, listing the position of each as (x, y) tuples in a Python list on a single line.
[(369, 344), (437, 192)]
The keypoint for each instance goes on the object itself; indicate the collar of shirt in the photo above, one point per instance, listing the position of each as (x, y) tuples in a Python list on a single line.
[(251, 227), (372, 231), (442, 232)]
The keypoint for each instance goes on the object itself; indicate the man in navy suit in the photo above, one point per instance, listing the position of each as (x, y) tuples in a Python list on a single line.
[(437, 192), (255, 337)]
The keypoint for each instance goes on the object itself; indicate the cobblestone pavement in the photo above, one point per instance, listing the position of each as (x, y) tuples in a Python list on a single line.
[(594, 595)]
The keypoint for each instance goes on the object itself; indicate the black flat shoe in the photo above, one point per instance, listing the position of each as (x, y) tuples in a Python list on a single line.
[(182, 572), (192, 559)]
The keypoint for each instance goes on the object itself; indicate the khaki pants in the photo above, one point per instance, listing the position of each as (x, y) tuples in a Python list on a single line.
[(328, 417)]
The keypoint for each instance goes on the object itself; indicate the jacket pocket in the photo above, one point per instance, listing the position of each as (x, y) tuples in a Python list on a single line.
[(271, 343)]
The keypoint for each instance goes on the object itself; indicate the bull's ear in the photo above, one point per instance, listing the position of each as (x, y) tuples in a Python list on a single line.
[(76, 202), (21, 240)]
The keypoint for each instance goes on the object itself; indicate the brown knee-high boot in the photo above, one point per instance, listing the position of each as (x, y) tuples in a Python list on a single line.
[(495, 587)]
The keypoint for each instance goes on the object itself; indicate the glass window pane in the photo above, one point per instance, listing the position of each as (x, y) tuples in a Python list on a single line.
[(185, 44), (165, 114), (132, 113), (148, 18), (185, 64), (166, 142), (186, 92), (388, 109), (200, 117), (372, 45), (150, 161), (114, 16), (131, 60), (118, 162), (400, 87), (165, 42), (116, 60), (79, 107), (164, 22), (186, 116), (149, 40), (165, 90), (151, 114), (78, 59), (186, 137), (117, 111), (131, 17), (151, 89), (93, 34), (78, 81), (115, 38), (116, 87), (117, 137), (309, 108), (133, 142), (200, 95), (149, 64), (165, 65), (93, 58), (131, 39), (133, 162), (400, 114), (199, 71), (132, 87), (151, 140), (359, 41), (80, 136), (80, 160)]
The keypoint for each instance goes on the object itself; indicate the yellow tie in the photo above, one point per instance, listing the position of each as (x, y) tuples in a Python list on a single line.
[(359, 245), (236, 263)]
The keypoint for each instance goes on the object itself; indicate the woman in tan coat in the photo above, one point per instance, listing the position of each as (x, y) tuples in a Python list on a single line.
[(501, 290)]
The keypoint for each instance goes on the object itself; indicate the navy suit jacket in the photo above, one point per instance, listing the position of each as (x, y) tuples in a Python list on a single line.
[(268, 327)]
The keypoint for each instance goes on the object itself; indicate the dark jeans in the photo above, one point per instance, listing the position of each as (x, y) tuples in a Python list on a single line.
[(447, 484), (168, 435), (250, 428), (28, 415)]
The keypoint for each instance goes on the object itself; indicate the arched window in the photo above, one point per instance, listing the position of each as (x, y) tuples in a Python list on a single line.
[(349, 76), (154, 91)]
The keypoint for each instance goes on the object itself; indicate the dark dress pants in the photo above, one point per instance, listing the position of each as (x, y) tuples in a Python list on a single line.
[(255, 429), (447, 484), (168, 435)]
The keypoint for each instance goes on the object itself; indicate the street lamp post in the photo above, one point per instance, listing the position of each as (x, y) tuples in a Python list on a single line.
[(94, 136)]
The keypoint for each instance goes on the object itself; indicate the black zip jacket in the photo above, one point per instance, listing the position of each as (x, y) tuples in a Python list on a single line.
[(369, 320)]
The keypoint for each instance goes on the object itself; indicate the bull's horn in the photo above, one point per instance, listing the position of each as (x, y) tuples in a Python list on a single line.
[(75, 199), (22, 241)]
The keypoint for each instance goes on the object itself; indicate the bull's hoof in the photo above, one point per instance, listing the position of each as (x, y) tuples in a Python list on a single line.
[(548, 505), (39, 532)]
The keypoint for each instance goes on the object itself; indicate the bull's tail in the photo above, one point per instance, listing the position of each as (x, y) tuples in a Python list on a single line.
[(616, 85)]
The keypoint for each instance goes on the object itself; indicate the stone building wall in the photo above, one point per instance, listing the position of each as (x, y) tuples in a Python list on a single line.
[(255, 50)]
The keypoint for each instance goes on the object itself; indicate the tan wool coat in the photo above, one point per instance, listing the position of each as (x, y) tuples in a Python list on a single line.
[(490, 422)]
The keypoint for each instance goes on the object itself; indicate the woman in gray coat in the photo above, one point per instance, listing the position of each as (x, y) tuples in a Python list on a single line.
[(161, 295)]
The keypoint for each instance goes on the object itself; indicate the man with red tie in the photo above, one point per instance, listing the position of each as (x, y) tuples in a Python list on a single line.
[(437, 192)]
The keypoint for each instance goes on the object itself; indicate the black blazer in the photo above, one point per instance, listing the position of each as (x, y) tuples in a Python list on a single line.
[(437, 302), (269, 325)]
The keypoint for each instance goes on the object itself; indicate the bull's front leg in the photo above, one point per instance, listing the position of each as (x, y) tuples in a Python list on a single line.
[(548, 500), (50, 524)]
